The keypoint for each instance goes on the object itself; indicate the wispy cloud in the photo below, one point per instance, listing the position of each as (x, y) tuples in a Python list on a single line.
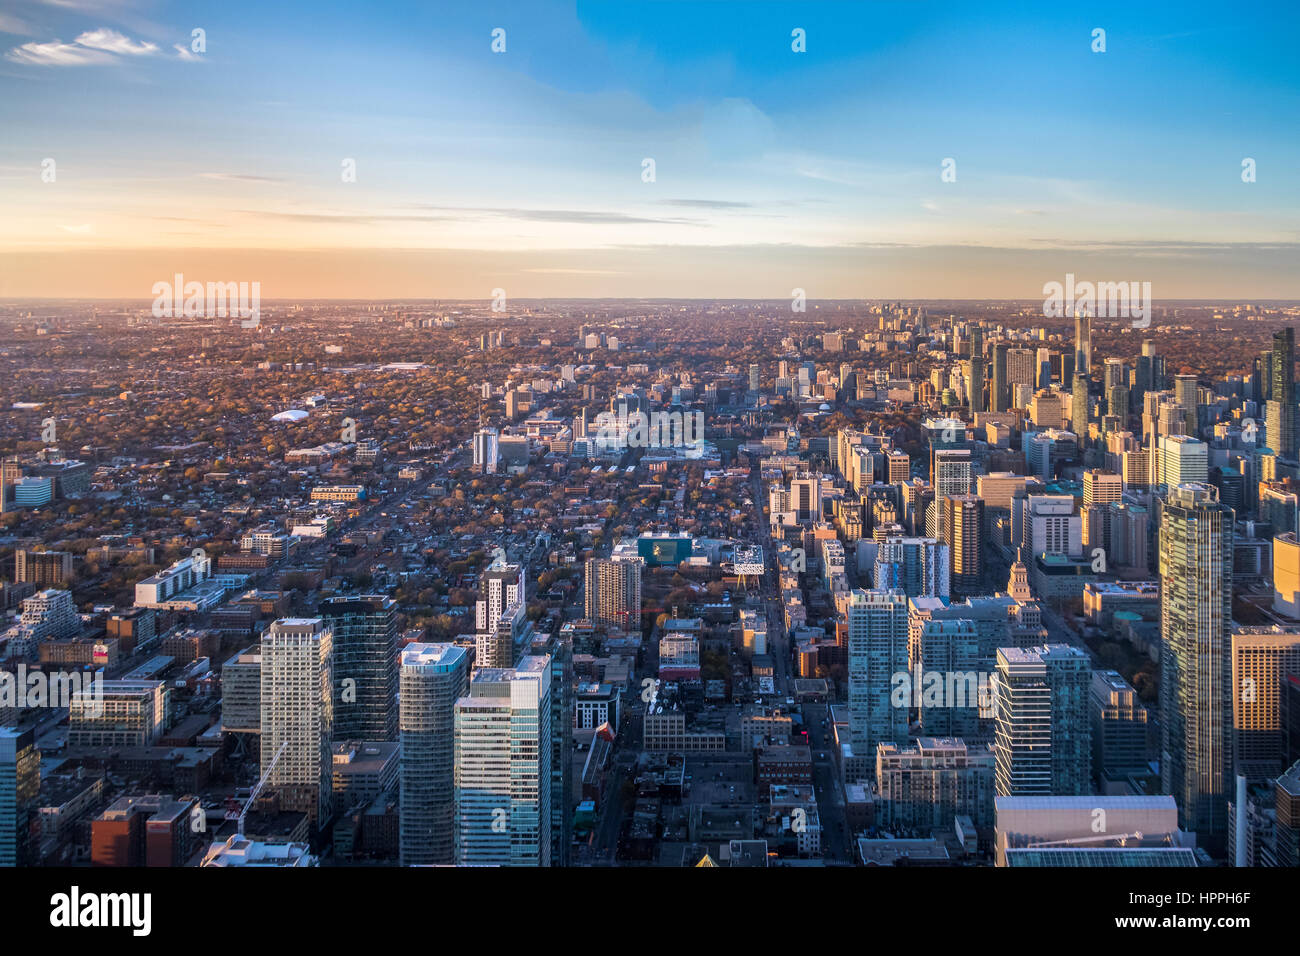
[(100, 47), (241, 177), (114, 42)]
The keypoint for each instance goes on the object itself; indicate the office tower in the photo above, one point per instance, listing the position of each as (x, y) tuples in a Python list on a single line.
[(1079, 406), (1095, 830), (241, 693), (1000, 392), (1280, 508), (1262, 658), (503, 767), (1020, 368), (899, 466), (612, 592), (559, 648), (926, 784), (1286, 575), (755, 383), (952, 471), (877, 629), (1195, 658), (1046, 409), (976, 370), (1043, 737), (365, 665), (1183, 460), (1050, 524), (949, 681), (486, 451), (298, 715), (1280, 415), (501, 586), (1120, 530), (1117, 402), (1101, 487), (1187, 397), (806, 497), (1082, 343), (1286, 797), (20, 789), (433, 678), (42, 568), (916, 566), (962, 527), (1119, 728)]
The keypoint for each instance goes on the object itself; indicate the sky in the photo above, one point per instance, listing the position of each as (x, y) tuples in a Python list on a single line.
[(130, 152)]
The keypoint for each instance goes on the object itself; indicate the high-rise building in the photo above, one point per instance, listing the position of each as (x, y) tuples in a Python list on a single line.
[(916, 566), (877, 632), (977, 374), (612, 592), (487, 451), (365, 665), (1082, 343), (962, 528), (1286, 575), (1000, 392), (1021, 368), (433, 678), (298, 715), (949, 679), (1043, 736), (501, 587), (1280, 415), (503, 767), (1262, 658), (20, 788), (1079, 408), (1119, 728), (755, 382), (43, 568), (1102, 487), (1195, 658)]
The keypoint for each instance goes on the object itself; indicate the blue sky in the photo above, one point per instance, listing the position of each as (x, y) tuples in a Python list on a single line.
[(1127, 160)]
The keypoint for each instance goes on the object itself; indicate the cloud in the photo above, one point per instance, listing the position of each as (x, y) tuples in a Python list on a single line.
[(584, 217), (83, 228), (57, 53), (114, 42), (241, 177), (706, 203), (11, 24), (101, 47)]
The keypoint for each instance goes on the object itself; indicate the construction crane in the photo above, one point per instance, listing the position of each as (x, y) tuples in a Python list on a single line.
[(239, 830), (1123, 839)]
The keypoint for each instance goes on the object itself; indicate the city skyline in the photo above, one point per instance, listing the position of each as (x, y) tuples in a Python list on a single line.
[(523, 169)]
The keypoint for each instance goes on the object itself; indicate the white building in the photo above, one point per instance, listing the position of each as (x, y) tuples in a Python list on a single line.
[(298, 714), (503, 767)]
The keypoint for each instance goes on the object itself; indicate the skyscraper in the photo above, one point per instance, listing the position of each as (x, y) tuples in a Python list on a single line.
[(501, 587), (365, 665), (1195, 658), (433, 678), (1079, 407), (877, 628), (298, 714), (976, 369), (962, 528), (487, 451), (1043, 735), (1262, 658), (1082, 343), (999, 391), (20, 787), (503, 767), (612, 592), (1280, 415)]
